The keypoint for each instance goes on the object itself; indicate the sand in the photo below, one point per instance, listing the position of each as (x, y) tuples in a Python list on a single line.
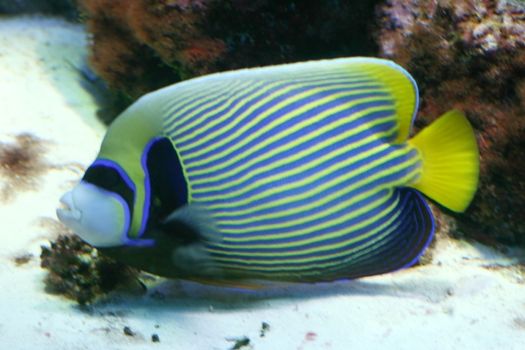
[(469, 297)]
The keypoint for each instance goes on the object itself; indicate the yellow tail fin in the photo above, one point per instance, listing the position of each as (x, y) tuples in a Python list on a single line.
[(450, 161)]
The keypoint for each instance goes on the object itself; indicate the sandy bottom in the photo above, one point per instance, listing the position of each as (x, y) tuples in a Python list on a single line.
[(469, 297)]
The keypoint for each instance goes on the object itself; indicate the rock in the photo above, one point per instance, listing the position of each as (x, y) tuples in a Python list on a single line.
[(470, 55), (140, 45)]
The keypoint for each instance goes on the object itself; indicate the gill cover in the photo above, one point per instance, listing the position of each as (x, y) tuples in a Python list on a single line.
[(98, 216), (125, 146)]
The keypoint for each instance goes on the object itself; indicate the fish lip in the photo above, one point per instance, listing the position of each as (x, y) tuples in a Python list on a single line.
[(67, 212)]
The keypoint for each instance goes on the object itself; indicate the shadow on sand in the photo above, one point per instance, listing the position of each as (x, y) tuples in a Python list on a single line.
[(175, 296)]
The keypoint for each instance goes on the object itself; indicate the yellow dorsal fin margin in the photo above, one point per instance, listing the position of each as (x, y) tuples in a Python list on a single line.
[(400, 85), (450, 161)]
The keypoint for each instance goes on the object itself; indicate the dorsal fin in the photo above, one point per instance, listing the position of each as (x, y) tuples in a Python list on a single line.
[(393, 78), (399, 83)]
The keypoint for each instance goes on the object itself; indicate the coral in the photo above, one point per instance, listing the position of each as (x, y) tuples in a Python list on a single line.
[(141, 45), (467, 54), (470, 55), (77, 271), (21, 164), (122, 61)]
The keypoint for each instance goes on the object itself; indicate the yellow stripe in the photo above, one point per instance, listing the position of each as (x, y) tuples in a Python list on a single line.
[(320, 188), (201, 137), (352, 255), (261, 116), (300, 169), (173, 112), (353, 240), (218, 118), (295, 156), (313, 228), (213, 114), (313, 262), (304, 138), (318, 227)]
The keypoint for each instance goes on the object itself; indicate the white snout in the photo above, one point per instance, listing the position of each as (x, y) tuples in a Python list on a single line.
[(98, 216)]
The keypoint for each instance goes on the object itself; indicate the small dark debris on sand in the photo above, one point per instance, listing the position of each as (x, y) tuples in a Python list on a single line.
[(265, 327), (155, 338), (128, 331), (310, 336), (77, 271), (239, 342), (22, 259)]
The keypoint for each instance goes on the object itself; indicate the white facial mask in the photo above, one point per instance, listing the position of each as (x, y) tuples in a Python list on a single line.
[(98, 216)]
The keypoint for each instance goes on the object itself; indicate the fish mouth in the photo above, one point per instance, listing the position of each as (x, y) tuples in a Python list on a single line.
[(67, 213)]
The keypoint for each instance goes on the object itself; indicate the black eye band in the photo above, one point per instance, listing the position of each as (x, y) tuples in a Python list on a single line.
[(107, 177)]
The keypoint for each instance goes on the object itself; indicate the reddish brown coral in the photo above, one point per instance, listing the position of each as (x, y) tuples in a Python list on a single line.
[(467, 54), (471, 55), (77, 271), (21, 164), (119, 58), (144, 44), (173, 29)]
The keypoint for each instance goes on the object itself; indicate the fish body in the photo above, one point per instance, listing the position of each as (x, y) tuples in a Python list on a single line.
[(298, 172)]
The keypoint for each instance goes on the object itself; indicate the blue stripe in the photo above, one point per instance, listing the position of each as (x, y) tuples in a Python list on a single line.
[(306, 214), (292, 164), (220, 102), (342, 267), (343, 171), (241, 98), (304, 225), (187, 149), (300, 176), (212, 92), (405, 245), (427, 229), (283, 128), (398, 247), (402, 222), (312, 128), (233, 118)]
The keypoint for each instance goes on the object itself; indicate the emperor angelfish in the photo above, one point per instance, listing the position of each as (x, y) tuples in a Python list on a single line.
[(299, 172)]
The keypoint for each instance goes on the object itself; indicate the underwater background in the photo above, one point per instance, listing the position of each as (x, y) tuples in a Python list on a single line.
[(68, 68)]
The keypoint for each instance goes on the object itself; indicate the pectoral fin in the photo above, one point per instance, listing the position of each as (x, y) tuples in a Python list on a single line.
[(195, 220), (192, 230)]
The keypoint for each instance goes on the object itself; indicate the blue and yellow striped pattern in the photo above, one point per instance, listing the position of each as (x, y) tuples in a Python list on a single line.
[(301, 168)]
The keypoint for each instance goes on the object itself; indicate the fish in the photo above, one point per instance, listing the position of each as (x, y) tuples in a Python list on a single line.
[(301, 172)]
